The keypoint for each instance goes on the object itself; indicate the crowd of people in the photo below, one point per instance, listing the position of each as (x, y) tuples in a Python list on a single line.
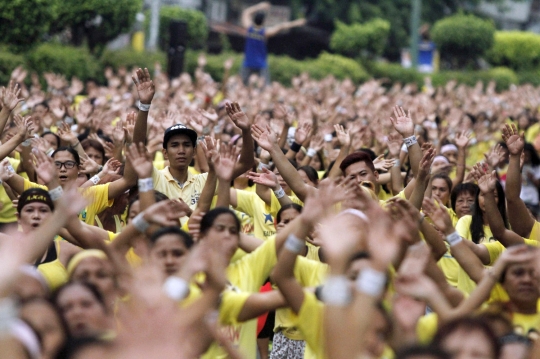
[(188, 218)]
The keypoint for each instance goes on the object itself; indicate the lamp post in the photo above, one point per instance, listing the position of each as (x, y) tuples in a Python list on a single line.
[(416, 10)]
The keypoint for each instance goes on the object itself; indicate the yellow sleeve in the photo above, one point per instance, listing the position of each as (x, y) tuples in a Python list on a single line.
[(310, 273), (532, 243), (249, 272), (28, 185), (495, 249), (463, 227), (535, 231), (133, 259), (231, 306), (426, 328), (99, 195), (309, 321)]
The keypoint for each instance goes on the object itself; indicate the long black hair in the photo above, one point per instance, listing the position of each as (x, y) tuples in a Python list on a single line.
[(477, 223), (209, 218)]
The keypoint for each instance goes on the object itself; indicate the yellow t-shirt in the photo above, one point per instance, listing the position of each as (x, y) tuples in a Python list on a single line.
[(246, 275), (308, 273), (309, 321), (8, 213), (54, 272), (133, 259), (252, 205), (189, 192), (98, 196), (448, 263)]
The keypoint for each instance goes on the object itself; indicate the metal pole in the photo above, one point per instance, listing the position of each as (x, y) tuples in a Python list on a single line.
[(415, 25), (154, 25)]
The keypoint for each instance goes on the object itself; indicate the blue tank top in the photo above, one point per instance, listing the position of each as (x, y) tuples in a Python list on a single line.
[(255, 51)]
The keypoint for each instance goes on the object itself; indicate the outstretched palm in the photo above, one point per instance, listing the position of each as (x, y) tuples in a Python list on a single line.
[(236, 115), (403, 122), (145, 86)]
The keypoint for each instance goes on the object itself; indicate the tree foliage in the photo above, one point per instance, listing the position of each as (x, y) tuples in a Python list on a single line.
[(352, 40), (24, 23), (462, 38), (518, 50)]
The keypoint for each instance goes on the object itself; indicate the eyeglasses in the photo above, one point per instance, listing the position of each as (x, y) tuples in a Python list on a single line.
[(68, 164)]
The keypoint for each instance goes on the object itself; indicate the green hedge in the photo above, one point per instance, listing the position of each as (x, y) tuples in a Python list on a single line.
[(130, 59), (67, 60), (503, 76), (463, 38), (8, 62), (518, 50), (352, 40)]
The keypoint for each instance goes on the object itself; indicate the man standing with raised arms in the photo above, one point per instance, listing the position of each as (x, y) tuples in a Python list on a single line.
[(179, 146)]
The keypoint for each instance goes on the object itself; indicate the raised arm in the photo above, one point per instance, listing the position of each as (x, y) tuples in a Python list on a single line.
[(344, 138), (265, 182), (248, 13), (25, 127), (10, 99), (240, 119), (496, 224), (518, 215), (404, 125), (462, 141), (274, 30), (265, 139), (146, 89), (224, 167)]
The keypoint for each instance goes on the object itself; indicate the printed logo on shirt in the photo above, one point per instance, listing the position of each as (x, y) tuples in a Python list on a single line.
[(268, 218), (195, 198), (82, 215)]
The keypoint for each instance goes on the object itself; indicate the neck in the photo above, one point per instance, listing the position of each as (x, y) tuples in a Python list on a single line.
[(241, 183), (180, 174), (523, 307)]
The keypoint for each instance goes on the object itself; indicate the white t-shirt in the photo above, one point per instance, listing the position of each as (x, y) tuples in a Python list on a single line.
[(529, 192)]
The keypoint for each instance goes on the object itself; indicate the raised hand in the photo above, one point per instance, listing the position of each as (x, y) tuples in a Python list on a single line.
[(403, 122), (495, 156), (514, 141), (415, 261), (71, 203), (88, 166), (394, 142), (119, 134), (66, 135), (343, 135), (212, 116), (425, 164), (317, 142), (10, 98), (383, 239), (5, 172), (129, 126), (382, 164), (25, 127), (164, 213), (238, 117), (266, 178), (112, 166), (140, 160), (487, 183), (224, 167), (302, 132), (45, 167), (280, 112), (320, 203), (462, 139), (438, 215), (59, 111), (264, 136), (76, 87), (145, 86)]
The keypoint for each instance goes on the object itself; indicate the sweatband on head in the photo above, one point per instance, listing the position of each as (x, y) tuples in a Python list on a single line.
[(82, 255), (449, 147)]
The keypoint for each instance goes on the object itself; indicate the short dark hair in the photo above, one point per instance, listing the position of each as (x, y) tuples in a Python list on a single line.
[(34, 195), (467, 187), (55, 136), (88, 286), (468, 324), (70, 150), (445, 178), (294, 206), (185, 237), (96, 145), (259, 17), (311, 173), (209, 218), (357, 157)]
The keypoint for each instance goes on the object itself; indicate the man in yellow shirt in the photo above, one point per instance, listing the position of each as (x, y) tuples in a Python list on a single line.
[(179, 145)]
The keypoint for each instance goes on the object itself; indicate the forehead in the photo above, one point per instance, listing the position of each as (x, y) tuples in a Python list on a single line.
[(63, 156), (439, 182), (179, 138), (226, 219), (357, 167), (169, 241), (75, 292), (36, 205), (90, 263)]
